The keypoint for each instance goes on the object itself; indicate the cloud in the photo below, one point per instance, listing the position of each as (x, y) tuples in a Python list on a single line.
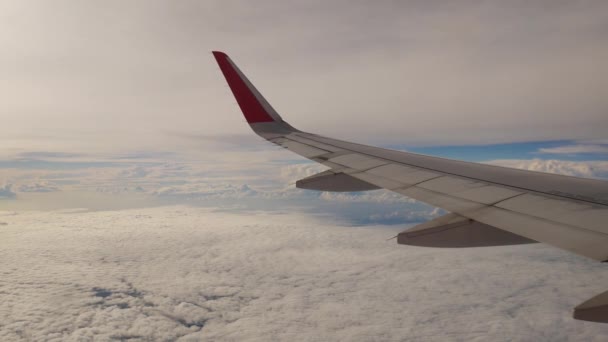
[(37, 187), (434, 73), (294, 172), (589, 169), (208, 190), (187, 273), (576, 149), (364, 208), (6, 192), (48, 155), (134, 172), (236, 181)]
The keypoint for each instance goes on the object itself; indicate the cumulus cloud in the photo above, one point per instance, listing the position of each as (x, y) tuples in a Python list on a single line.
[(589, 169), (364, 208), (208, 190), (184, 273), (294, 172)]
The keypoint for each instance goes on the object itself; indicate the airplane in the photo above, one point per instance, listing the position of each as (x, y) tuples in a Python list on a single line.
[(489, 205)]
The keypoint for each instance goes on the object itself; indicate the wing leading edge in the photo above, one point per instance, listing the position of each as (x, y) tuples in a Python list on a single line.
[(491, 205)]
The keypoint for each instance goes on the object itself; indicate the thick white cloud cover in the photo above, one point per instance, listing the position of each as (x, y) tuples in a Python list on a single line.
[(188, 274)]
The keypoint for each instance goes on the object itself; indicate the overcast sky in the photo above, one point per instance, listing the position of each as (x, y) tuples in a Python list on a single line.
[(108, 76)]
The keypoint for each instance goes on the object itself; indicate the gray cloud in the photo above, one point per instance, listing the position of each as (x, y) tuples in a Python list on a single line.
[(193, 274), (6, 192), (48, 155), (420, 72), (38, 187)]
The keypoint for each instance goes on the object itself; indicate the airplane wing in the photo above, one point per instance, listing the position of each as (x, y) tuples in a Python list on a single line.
[(489, 205)]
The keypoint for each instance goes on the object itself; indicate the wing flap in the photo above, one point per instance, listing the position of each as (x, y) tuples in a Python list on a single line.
[(578, 240), (335, 182), (594, 309), (455, 231)]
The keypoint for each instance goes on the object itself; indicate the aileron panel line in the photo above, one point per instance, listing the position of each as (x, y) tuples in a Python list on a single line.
[(303, 150)]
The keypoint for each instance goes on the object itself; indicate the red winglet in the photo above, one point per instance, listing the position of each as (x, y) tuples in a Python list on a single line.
[(243, 91)]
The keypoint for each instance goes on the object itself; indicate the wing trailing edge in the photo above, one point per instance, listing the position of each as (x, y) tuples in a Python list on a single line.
[(455, 231), (334, 182), (594, 309)]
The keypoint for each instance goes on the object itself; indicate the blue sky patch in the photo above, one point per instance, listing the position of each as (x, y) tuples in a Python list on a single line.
[(520, 150)]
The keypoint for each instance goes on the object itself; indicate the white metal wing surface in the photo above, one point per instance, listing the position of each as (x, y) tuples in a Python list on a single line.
[(489, 205)]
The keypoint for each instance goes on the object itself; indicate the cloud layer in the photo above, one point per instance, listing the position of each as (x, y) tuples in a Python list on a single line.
[(180, 273)]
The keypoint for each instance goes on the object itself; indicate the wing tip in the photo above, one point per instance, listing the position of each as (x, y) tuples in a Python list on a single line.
[(218, 54), (254, 107)]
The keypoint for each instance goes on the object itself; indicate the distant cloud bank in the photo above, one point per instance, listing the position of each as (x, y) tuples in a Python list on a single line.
[(588, 169), (576, 149), (240, 180)]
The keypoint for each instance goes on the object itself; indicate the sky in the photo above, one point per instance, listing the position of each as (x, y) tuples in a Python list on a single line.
[(116, 111), (112, 76)]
